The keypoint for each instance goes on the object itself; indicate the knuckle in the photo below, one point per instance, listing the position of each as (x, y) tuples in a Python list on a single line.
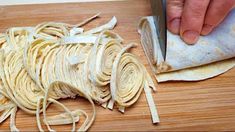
[(197, 8), (174, 8), (175, 3), (174, 14), (197, 13)]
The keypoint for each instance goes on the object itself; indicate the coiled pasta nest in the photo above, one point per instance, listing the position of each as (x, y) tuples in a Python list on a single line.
[(41, 64)]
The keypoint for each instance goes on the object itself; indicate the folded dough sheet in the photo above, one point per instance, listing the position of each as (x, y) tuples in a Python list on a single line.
[(217, 46)]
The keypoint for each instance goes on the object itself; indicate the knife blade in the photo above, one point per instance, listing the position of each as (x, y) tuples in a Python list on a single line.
[(159, 13)]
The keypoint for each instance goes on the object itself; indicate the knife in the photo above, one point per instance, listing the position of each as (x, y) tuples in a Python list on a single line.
[(159, 13)]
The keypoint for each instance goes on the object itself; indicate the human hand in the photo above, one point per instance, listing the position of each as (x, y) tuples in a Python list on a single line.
[(192, 18)]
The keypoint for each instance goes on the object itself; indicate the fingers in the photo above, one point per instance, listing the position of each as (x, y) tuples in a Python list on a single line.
[(217, 11), (192, 19), (174, 12)]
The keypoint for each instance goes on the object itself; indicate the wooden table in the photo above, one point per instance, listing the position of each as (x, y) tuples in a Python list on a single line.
[(192, 106), (21, 2)]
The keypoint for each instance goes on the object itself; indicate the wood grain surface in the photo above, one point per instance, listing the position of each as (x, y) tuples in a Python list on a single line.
[(183, 106), (23, 2)]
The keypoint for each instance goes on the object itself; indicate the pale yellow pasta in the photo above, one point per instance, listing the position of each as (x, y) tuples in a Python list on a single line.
[(39, 65)]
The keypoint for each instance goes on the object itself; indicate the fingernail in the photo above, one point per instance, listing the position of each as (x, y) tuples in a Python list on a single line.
[(175, 26), (206, 29), (190, 37)]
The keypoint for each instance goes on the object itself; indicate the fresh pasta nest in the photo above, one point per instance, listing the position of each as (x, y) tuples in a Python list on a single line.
[(39, 65)]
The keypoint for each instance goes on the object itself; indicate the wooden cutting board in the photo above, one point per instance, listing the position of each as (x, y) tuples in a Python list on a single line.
[(207, 105)]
